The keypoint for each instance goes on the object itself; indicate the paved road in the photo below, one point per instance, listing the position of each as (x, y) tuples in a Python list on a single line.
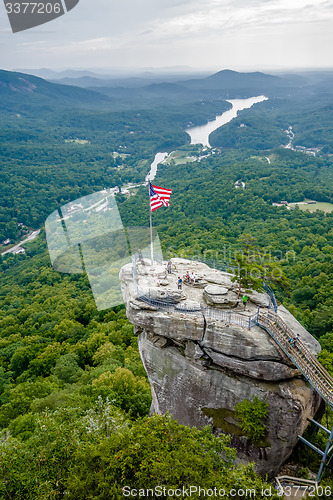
[(17, 247)]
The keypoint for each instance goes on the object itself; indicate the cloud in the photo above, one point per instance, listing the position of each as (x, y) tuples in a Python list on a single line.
[(169, 32), (228, 15)]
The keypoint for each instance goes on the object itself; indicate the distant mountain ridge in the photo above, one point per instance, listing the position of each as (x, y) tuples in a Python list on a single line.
[(225, 84), (20, 92), (223, 80), (49, 74), (230, 76), (237, 84)]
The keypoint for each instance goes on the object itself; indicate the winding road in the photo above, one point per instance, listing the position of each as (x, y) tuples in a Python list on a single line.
[(15, 249)]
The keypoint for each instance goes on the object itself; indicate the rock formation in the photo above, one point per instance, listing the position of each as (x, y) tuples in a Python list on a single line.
[(202, 358)]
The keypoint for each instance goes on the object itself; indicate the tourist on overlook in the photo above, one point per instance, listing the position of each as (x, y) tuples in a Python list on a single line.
[(180, 283), (245, 299)]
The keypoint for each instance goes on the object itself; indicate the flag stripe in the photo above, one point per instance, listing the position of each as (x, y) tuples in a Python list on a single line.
[(162, 190), (163, 193)]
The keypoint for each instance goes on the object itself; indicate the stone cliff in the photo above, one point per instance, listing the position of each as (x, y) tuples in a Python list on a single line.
[(202, 358)]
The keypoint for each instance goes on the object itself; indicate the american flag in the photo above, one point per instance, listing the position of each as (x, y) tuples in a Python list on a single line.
[(158, 197)]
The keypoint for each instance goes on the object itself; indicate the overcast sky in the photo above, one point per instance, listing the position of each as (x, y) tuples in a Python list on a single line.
[(206, 34)]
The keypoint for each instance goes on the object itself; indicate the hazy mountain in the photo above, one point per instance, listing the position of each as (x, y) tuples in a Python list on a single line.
[(224, 84), (24, 93), (143, 80), (229, 77), (74, 76), (233, 84), (50, 74), (155, 95)]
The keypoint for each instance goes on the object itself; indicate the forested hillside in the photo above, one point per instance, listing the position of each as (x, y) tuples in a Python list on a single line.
[(52, 155), (28, 94), (75, 398), (263, 127)]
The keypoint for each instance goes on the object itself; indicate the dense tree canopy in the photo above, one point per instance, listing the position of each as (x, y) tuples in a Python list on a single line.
[(62, 362)]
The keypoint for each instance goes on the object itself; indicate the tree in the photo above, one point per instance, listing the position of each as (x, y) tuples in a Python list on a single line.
[(94, 454), (160, 453), (252, 415), (67, 369), (253, 268)]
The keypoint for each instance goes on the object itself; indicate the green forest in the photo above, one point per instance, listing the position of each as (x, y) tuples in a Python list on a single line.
[(43, 167), (74, 396)]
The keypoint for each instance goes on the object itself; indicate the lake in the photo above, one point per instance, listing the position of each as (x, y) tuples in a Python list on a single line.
[(200, 135)]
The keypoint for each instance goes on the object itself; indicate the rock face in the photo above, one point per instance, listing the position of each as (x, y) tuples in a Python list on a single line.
[(202, 359)]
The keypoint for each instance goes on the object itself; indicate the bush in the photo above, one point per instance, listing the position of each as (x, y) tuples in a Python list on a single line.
[(251, 415)]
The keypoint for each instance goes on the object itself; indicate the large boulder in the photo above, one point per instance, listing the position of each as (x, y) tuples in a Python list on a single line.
[(219, 296), (198, 396), (202, 359)]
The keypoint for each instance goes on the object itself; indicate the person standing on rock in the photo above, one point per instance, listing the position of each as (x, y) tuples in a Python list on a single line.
[(245, 299), (169, 267), (180, 283)]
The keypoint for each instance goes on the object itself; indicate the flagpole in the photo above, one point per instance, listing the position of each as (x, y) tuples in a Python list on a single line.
[(151, 230)]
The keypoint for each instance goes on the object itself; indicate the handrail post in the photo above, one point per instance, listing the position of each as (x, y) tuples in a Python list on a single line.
[(325, 454)]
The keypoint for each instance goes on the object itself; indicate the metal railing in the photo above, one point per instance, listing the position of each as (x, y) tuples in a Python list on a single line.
[(272, 299), (219, 265), (311, 369), (170, 305), (224, 266), (299, 354), (230, 317)]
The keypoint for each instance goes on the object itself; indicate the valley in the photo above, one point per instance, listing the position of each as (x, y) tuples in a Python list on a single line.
[(66, 367)]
